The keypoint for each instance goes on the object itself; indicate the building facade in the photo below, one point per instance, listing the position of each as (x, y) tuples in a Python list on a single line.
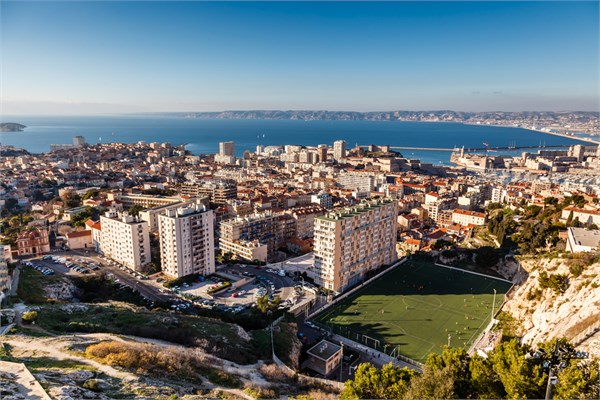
[(33, 243), (466, 217), (125, 239), (339, 150), (351, 242), (187, 241), (251, 236)]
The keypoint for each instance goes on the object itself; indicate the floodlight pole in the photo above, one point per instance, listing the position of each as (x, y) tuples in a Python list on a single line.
[(493, 306)]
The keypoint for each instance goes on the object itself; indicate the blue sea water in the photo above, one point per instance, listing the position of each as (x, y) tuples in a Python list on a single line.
[(204, 135)]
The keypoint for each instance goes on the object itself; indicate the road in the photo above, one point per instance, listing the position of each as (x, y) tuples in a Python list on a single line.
[(146, 288), (284, 285)]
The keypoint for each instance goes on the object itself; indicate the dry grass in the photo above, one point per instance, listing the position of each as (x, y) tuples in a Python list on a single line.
[(274, 373)]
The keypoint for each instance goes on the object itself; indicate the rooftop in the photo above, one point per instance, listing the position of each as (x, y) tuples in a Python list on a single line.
[(324, 350)]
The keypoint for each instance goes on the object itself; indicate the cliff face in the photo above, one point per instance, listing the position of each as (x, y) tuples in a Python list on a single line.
[(545, 314)]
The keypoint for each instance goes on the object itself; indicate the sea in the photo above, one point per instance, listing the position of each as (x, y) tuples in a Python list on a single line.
[(203, 135)]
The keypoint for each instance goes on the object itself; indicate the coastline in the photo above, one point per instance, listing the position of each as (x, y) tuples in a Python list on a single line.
[(585, 140)]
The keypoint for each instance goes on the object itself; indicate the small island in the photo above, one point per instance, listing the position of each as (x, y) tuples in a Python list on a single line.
[(11, 127)]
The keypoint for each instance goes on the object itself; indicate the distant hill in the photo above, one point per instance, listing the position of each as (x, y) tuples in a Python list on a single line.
[(11, 127), (437, 115)]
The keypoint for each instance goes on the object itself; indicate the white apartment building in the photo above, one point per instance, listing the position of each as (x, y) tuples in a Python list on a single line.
[(187, 241), (125, 239), (226, 153), (339, 150), (466, 217), (359, 182), (355, 240)]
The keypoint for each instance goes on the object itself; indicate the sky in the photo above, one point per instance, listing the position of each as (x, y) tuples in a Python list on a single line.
[(85, 57)]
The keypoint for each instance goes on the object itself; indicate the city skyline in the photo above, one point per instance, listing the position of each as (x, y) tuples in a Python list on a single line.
[(106, 57)]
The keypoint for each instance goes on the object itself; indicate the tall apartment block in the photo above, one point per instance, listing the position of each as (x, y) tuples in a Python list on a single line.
[(339, 150), (226, 153), (353, 241), (125, 239), (187, 241)]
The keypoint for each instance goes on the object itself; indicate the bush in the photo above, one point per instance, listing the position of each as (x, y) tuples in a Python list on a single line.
[(559, 283), (224, 285), (93, 385), (29, 317)]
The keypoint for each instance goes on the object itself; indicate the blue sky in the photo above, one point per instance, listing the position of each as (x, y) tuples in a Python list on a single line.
[(97, 57)]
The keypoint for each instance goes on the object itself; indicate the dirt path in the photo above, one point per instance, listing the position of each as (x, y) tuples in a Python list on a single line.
[(25, 346)]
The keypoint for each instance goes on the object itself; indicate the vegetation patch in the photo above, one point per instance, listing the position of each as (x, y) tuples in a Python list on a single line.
[(214, 336)]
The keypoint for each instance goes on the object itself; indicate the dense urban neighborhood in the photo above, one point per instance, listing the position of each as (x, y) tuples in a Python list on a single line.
[(144, 271)]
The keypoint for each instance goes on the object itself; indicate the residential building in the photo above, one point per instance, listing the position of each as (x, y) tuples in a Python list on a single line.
[(466, 217), (95, 228), (151, 215), (583, 240), (125, 239), (584, 216), (80, 240), (187, 240), (226, 153), (217, 191), (33, 243), (246, 236), (323, 199), (141, 200), (339, 150), (353, 241), (305, 219)]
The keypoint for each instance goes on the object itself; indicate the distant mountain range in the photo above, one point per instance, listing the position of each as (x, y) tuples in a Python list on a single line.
[(441, 115)]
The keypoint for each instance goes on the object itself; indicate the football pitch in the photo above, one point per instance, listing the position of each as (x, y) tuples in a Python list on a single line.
[(417, 309)]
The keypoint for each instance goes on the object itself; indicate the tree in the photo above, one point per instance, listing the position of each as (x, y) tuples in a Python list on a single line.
[(486, 257), (522, 378), (579, 380), (135, 210), (90, 194), (369, 382), (485, 382), (88, 213), (456, 361), (37, 195), (71, 199), (432, 384)]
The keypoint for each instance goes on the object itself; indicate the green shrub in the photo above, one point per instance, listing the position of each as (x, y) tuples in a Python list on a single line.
[(559, 283), (29, 317), (93, 385)]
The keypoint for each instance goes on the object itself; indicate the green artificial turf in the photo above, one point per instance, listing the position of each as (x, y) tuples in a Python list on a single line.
[(415, 307)]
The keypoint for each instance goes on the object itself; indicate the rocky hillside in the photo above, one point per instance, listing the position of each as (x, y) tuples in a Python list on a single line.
[(557, 297)]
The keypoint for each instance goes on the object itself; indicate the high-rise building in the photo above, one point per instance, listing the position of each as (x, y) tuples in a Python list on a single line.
[(79, 141), (353, 241), (339, 150), (227, 148), (187, 241), (322, 153), (226, 153), (125, 239)]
